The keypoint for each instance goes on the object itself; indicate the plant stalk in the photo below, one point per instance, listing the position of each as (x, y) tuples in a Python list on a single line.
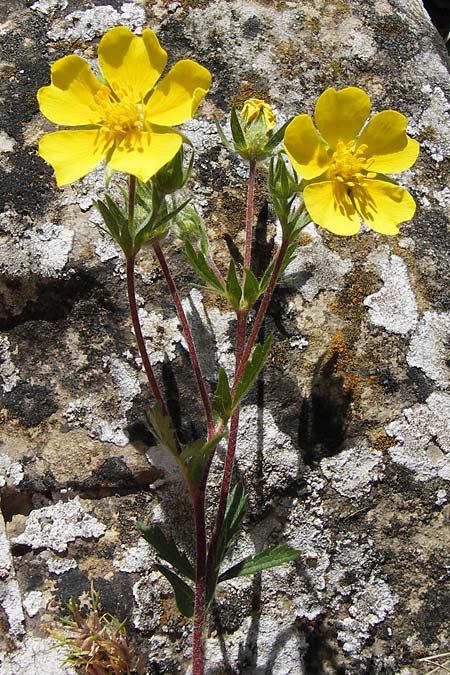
[(189, 338), (198, 636)]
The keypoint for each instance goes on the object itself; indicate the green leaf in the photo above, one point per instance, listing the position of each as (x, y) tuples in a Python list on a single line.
[(234, 513), (160, 426), (166, 549), (276, 138), (251, 288), (184, 595), (236, 130), (234, 290), (221, 403), (251, 370), (261, 561), (199, 263), (196, 456)]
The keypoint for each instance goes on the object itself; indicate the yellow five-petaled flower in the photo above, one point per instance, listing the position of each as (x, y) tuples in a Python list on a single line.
[(124, 119), (342, 164)]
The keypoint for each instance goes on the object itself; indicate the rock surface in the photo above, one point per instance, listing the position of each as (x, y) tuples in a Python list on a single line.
[(344, 448)]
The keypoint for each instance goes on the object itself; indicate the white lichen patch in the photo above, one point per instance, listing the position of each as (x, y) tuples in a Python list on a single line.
[(353, 471), (370, 606), (49, 6), (162, 336), (147, 595), (89, 413), (262, 649), (33, 602), (94, 22), (36, 655), (57, 565), (6, 142), (393, 307), (53, 527), (428, 347), (323, 269), (218, 348), (137, 558), (9, 373), (423, 438), (11, 608), (43, 251), (261, 442), (436, 115), (11, 473)]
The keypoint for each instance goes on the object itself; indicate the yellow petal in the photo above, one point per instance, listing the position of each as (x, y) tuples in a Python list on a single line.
[(142, 154), (179, 93), (339, 115), (387, 143), (130, 61), (74, 153), (69, 99), (305, 148), (329, 206), (383, 205)]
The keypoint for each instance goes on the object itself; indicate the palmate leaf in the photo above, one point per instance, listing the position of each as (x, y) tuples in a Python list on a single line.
[(200, 265), (184, 595), (252, 289), (251, 370), (234, 290), (196, 455), (160, 426), (261, 561), (222, 403), (234, 513), (166, 549)]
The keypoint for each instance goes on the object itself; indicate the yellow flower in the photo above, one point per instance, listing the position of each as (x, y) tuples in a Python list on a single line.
[(342, 163), (125, 119), (253, 107)]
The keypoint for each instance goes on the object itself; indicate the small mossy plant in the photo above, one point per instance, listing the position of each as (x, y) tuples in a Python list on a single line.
[(96, 643)]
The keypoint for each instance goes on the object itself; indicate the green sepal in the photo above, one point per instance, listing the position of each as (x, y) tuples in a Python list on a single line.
[(166, 549), (196, 455), (234, 290), (252, 289), (222, 402), (221, 133), (236, 131), (269, 557), (251, 370), (276, 138), (184, 595), (199, 263), (161, 427), (117, 223), (234, 513)]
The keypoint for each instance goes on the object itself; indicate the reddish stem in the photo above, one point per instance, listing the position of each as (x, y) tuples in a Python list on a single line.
[(249, 214), (189, 339), (260, 315), (198, 636)]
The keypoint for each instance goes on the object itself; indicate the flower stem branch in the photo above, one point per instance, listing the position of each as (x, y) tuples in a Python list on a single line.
[(138, 333), (189, 338), (260, 314)]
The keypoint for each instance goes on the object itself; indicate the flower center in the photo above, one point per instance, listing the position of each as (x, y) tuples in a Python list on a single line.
[(347, 164), (117, 111)]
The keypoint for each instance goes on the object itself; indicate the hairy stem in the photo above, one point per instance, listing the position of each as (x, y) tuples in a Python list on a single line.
[(249, 214), (198, 637), (260, 314), (131, 290), (189, 339)]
